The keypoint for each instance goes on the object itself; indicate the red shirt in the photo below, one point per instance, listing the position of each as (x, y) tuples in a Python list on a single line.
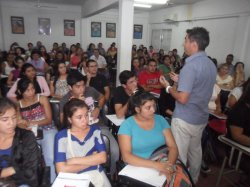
[(147, 78)]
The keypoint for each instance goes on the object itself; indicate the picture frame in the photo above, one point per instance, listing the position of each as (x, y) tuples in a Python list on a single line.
[(44, 27), (110, 30), (17, 25), (96, 29), (69, 27), (138, 30)]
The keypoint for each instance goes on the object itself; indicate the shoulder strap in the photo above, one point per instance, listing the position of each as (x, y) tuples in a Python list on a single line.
[(20, 103), (70, 143), (38, 97)]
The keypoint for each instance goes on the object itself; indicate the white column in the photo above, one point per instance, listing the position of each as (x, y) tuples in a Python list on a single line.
[(125, 37)]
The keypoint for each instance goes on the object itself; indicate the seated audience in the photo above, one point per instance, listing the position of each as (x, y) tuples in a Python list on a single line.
[(38, 62), (14, 74), (136, 67), (28, 71), (80, 148), (59, 86), (95, 101), (35, 111), (239, 74), (75, 58), (165, 67), (18, 161), (144, 132), (235, 94), (96, 80), (101, 62), (225, 82), (122, 93), (149, 78), (238, 124)]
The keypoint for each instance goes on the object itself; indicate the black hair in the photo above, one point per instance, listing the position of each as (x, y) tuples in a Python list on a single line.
[(22, 86), (200, 35), (89, 61), (230, 55), (74, 77), (6, 104), (237, 63), (22, 76), (16, 59), (139, 99), (69, 109), (125, 76), (56, 72), (35, 51), (245, 97)]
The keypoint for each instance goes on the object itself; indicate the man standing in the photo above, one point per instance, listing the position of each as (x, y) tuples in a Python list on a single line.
[(192, 94), (229, 63)]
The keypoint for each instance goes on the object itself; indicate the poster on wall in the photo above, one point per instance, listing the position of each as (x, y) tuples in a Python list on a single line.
[(17, 25), (138, 31), (96, 29), (69, 27), (44, 26), (110, 30)]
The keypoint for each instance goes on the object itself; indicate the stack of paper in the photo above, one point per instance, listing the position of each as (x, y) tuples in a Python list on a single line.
[(146, 175), (72, 180)]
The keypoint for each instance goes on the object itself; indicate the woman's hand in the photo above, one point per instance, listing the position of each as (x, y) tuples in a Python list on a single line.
[(165, 168), (23, 124)]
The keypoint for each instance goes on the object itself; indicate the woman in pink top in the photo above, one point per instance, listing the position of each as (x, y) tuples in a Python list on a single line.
[(40, 84)]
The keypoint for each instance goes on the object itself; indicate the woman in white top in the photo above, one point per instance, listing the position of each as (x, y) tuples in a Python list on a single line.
[(223, 79)]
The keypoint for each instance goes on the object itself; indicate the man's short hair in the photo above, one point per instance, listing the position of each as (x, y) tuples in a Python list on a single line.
[(74, 77), (230, 55), (89, 61), (200, 35), (125, 76)]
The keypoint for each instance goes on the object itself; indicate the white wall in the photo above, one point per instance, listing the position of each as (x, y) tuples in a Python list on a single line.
[(57, 15), (112, 16), (226, 20), (31, 15)]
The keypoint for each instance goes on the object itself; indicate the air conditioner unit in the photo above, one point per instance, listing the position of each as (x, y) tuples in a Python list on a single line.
[(171, 18)]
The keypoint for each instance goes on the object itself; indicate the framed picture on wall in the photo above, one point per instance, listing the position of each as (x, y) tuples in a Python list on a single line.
[(69, 27), (138, 29), (17, 25), (96, 29), (44, 26), (110, 30)]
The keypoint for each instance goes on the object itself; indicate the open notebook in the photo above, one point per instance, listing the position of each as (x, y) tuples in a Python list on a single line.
[(146, 175), (72, 180)]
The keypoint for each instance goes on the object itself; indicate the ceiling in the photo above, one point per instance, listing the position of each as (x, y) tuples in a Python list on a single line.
[(80, 2)]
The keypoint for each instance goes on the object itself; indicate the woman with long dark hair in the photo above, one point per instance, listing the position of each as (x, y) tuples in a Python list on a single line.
[(28, 71)]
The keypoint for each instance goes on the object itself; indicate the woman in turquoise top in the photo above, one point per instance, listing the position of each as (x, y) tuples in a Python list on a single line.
[(144, 132)]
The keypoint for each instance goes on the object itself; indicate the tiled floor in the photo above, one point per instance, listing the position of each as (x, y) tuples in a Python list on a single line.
[(209, 180)]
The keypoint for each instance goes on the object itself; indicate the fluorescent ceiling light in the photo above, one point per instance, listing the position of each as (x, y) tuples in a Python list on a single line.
[(142, 5), (152, 1)]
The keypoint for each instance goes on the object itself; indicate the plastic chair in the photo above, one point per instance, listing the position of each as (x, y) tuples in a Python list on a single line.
[(241, 149)]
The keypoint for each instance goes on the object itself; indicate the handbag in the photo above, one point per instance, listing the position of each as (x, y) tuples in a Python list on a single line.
[(95, 176)]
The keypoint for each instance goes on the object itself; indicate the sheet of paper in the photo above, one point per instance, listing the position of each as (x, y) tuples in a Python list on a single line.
[(147, 175), (71, 180), (113, 118)]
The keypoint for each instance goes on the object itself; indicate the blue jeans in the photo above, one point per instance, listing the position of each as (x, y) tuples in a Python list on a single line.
[(47, 144)]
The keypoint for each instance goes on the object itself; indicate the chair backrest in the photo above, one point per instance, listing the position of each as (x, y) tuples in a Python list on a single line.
[(107, 165), (55, 107)]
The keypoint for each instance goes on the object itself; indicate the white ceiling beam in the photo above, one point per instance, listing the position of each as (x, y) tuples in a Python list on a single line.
[(92, 7)]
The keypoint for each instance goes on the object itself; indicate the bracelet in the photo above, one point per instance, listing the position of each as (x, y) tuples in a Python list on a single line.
[(167, 89)]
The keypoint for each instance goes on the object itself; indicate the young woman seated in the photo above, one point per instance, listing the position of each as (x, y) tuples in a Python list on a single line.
[(14, 74), (59, 86), (28, 71), (80, 148), (143, 132), (238, 123), (18, 161), (35, 112)]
